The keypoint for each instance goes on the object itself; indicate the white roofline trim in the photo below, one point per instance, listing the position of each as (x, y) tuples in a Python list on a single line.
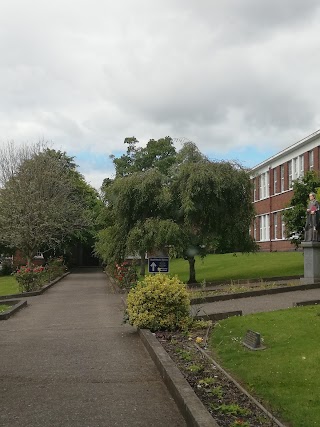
[(292, 147)]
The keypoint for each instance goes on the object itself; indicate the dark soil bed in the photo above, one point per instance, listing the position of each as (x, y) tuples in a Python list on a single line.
[(222, 398)]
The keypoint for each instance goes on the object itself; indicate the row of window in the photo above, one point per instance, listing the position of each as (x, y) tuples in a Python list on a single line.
[(295, 169), (263, 231)]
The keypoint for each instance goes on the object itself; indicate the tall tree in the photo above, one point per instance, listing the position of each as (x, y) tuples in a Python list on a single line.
[(195, 206), (39, 206), (158, 154), (133, 200), (295, 217), (213, 205), (12, 156)]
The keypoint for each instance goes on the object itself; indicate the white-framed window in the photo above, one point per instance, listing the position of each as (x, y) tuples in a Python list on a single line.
[(261, 194), (301, 165), (295, 168), (311, 160), (255, 229), (254, 190), (283, 228), (275, 225), (275, 181), (282, 178), (264, 228), (290, 174), (264, 185)]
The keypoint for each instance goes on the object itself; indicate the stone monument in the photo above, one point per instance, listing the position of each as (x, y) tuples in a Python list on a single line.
[(311, 243)]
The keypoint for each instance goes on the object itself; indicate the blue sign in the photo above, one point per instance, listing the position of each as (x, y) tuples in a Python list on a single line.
[(158, 265)]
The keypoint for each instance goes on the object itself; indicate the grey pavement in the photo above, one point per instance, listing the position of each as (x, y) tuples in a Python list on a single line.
[(259, 303), (67, 360)]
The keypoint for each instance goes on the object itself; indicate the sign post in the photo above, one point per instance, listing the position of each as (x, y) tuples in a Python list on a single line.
[(158, 265)]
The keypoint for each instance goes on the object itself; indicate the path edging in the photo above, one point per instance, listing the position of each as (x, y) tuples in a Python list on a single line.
[(16, 306), (190, 406), (34, 293), (253, 293)]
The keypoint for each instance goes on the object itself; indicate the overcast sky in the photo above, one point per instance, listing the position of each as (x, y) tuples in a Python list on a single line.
[(239, 78)]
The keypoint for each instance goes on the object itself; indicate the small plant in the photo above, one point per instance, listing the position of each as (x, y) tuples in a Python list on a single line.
[(159, 302), (185, 355), (125, 274), (206, 382), (232, 409), (195, 369), (216, 391), (240, 423)]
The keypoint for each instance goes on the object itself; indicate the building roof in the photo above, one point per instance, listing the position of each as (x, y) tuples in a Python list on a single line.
[(288, 150)]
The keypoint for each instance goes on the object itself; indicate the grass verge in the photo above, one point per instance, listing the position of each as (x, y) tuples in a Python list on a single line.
[(241, 266), (8, 285), (4, 307), (286, 374)]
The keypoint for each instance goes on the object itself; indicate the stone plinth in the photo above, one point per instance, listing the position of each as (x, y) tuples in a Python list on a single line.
[(311, 252)]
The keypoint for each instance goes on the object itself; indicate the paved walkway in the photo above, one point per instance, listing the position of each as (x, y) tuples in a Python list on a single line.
[(67, 360), (259, 303)]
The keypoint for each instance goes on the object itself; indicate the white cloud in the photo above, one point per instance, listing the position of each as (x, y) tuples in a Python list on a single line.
[(226, 74)]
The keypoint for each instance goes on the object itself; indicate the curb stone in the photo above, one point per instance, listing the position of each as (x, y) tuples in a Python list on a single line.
[(16, 306), (190, 406), (252, 293)]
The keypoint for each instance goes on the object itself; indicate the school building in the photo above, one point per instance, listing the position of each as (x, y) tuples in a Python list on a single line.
[(272, 190)]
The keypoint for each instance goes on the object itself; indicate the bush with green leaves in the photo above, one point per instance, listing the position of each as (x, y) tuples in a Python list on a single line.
[(6, 268), (30, 278), (159, 302)]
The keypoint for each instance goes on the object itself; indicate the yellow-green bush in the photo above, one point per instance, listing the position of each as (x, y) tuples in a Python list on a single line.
[(159, 302)]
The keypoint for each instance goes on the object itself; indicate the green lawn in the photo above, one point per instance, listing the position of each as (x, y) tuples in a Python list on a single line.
[(241, 266), (286, 374), (8, 285), (4, 307)]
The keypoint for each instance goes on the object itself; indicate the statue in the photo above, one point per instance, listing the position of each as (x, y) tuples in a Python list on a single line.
[(311, 231)]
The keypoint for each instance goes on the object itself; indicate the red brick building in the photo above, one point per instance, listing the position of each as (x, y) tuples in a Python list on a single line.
[(272, 190)]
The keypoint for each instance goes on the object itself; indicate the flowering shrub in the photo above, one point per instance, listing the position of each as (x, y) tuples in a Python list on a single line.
[(30, 278), (159, 302), (125, 274)]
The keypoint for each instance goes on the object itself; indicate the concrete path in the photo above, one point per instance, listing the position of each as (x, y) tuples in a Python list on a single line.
[(259, 303), (67, 360)]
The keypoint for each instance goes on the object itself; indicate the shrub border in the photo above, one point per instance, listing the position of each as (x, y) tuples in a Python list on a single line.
[(34, 293)]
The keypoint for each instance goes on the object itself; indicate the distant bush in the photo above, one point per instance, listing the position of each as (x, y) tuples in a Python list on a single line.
[(30, 278), (6, 268), (159, 302)]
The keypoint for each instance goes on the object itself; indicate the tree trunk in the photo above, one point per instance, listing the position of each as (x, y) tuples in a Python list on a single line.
[(192, 271), (142, 264)]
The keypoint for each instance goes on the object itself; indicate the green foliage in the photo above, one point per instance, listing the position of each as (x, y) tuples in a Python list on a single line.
[(295, 217), (158, 155), (231, 409), (125, 274), (6, 268), (159, 302), (40, 206), (32, 278), (162, 199)]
